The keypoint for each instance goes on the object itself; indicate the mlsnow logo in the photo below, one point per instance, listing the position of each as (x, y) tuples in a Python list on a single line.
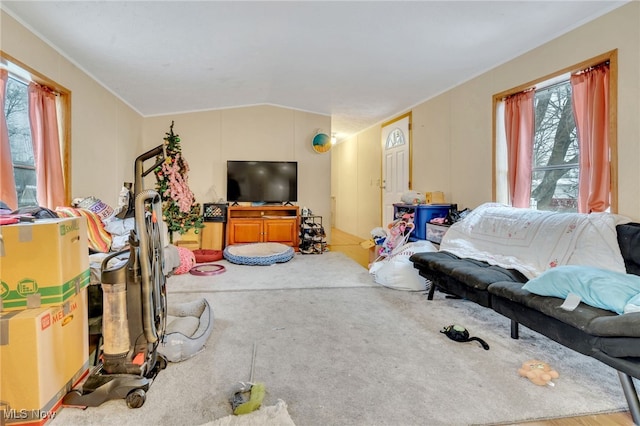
[(24, 414)]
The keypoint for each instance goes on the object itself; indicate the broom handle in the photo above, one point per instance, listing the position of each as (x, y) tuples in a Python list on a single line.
[(253, 361)]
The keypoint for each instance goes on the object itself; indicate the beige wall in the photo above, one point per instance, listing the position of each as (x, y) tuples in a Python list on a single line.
[(208, 139), (106, 133), (452, 133), (355, 183)]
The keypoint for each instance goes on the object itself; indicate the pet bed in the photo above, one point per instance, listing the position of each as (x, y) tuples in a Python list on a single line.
[(188, 328), (206, 256), (258, 253)]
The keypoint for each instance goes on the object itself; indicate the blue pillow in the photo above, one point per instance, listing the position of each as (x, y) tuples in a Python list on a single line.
[(596, 287)]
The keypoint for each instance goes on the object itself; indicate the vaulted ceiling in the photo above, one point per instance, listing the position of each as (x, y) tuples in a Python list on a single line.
[(361, 62)]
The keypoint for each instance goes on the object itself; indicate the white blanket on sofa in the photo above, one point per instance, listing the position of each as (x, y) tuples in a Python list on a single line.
[(532, 241)]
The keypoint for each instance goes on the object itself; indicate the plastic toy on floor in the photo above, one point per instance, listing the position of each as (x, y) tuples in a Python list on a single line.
[(538, 372)]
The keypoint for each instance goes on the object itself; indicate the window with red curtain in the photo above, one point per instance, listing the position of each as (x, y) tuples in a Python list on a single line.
[(557, 142), (32, 152)]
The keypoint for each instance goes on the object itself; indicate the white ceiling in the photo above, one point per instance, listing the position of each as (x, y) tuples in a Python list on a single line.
[(361, 62)]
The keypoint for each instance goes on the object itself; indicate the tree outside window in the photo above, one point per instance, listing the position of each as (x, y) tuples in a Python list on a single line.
[(17, 115), (555, 172)]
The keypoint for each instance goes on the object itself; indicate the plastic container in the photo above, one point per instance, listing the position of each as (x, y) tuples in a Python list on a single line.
[(436, 232), (423, 213)]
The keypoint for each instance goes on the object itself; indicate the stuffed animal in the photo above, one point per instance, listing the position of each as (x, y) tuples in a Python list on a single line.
[(539, 372), (378, 235), (413, 197)]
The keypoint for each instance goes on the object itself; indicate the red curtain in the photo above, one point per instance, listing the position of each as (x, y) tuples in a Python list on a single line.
[(591, 109), (7, 179), (519, 123), (46, 146)]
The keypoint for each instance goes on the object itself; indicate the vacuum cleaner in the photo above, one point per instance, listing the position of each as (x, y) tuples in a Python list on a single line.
[(134, 308)]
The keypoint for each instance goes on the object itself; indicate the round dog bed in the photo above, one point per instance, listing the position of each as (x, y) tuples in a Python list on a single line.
[(258, 253), (206, 256), (189, 325)]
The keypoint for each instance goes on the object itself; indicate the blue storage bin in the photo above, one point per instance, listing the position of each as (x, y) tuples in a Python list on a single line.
[(423, 213)]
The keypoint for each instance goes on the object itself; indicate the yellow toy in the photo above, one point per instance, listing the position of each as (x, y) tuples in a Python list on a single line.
[(539, 372)]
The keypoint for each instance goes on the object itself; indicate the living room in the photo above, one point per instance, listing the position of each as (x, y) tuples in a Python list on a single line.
[(455, 127), (452, 133)]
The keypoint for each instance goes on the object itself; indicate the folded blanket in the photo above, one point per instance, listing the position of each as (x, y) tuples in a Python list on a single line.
[(532, 241), (99, 239)]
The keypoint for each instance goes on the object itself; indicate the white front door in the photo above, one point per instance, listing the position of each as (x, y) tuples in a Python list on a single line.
[(395, 164)]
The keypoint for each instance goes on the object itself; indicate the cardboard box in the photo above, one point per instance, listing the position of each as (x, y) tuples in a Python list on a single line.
[(43, 354), (42, 263), (189, 240), (435, 197)]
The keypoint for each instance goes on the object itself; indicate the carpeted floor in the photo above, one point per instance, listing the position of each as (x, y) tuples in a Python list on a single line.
[(340, 350)]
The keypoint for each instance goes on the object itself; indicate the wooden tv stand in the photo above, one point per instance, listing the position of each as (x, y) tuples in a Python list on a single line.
[(254, 224)]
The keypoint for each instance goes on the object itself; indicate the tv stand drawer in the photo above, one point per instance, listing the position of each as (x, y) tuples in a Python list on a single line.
[(253, 224)]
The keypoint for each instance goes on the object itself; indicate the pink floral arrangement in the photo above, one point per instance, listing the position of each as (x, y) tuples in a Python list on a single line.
[(178, 187)]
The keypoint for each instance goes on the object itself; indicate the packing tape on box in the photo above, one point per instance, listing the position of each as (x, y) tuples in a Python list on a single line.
[(33, 301), (4, 327), (24, 234)]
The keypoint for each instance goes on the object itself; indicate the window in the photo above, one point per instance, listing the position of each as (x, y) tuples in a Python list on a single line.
[(395, 138), (555, 169), (16, 111), (551, 176), (19, 142)]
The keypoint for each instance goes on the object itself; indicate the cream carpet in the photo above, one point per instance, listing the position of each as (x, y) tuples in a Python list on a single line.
[(266, 415), (339, 349)]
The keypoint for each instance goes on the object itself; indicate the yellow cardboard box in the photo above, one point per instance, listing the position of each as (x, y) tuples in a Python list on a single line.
[(44, 352), (42, 263)]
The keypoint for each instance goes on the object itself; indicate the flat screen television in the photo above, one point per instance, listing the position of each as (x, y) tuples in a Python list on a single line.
[(262, 181)]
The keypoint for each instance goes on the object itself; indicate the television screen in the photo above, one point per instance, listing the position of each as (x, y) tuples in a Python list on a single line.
[(262, 181)]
